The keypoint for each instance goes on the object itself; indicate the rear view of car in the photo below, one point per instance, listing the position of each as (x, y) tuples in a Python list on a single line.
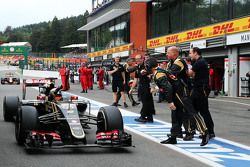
[(10, 79)]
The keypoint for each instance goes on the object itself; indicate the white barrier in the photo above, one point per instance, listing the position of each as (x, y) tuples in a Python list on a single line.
[(43, 74)]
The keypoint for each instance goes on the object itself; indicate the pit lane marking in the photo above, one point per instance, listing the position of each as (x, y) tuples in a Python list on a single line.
[(226, 101), (219, 152)]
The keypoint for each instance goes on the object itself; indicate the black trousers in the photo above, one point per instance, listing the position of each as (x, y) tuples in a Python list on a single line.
[(176, 118), (185, 114), (200, 102), (126, 90), (146, 97)]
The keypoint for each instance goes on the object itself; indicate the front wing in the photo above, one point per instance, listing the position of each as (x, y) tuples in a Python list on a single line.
[(52, 140)]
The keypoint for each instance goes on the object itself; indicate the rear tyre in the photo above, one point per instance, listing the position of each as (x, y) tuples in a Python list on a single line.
[(10, 107), (26, 120), (109, 118)]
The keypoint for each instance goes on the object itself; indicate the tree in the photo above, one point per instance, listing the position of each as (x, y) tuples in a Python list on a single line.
[(15, 37), (55, 35), (35, 40), (70, 34), (7, 30)]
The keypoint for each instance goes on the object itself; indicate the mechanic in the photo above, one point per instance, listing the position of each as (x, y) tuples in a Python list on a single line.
[(126, 66), (63, 74), (175, 89), (118, 81), (90, 76), (100, 75), (67, 78), (178, 67), (144, 93), (84, 78), (201, 89)]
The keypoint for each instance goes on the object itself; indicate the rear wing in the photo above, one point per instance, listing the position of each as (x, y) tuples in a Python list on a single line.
[(36, 83)]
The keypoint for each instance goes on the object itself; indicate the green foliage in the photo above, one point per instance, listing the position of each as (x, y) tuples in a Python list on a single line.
[(48, 36)]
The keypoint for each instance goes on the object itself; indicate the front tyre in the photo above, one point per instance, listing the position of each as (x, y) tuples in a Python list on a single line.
[(26, 120), (109, 118), (10, 107)]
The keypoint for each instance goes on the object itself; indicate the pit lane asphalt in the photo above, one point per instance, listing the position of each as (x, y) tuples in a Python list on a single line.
[(231, 121), (146, 153)]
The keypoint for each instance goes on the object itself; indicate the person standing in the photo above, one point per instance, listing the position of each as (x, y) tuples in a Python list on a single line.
[(100, 75), (62, 72), (118, 81), (173, 87), (178, 68), (127, 72), (67, 78), (143, 81), (201, 88), (83, 72), (90, 77)]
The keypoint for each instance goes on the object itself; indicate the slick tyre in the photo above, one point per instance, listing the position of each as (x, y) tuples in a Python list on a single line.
[(10, 107), (27, 120), (109, 118)]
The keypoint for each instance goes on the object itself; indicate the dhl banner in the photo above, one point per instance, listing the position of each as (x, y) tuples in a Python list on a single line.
[(110, 51), (65, 59), (220, 29)]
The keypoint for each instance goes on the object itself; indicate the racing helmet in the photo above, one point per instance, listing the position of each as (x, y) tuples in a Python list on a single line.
[(150, 63), (50, 85)]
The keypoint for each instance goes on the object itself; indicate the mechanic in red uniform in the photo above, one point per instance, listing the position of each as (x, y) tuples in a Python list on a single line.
[(101, 77), (83, 78), (62, 72), (90, 77), (211, 77)]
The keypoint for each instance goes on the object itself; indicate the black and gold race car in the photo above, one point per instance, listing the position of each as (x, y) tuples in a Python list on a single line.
[(10, 79), (56, 121)]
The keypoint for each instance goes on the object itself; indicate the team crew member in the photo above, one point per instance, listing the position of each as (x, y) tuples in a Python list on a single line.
[(173, 87), (83, 78), (100, 74), (201, 89), (118, 81), (62, 72), (126, 66), (90, 77), (67, 78), (143, 81), (178, 67)]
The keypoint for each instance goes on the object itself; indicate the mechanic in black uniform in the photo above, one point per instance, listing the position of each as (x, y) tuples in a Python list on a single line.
[(201, 89), (118, 81), (141, 77), (178, 67), (175, 89), (127, 72)]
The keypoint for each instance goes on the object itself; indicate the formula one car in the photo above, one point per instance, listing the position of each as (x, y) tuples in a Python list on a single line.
[(54, 121), (10, 78)]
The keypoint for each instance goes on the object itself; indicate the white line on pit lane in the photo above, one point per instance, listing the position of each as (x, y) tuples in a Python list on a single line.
[(227, 101), (156, 139)]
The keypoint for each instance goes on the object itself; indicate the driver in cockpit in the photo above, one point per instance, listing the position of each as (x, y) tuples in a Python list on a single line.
[(55, 94)]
